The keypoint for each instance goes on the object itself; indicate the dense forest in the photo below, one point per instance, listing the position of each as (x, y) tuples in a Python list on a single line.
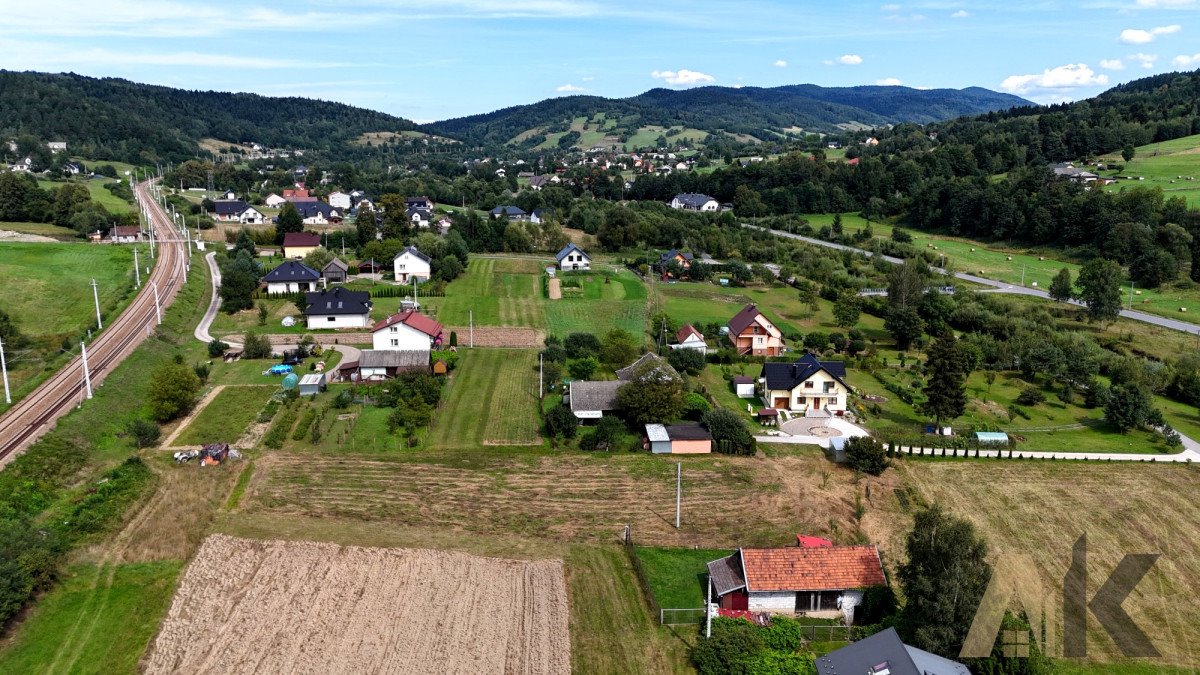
[(114, 119), (754, 111)]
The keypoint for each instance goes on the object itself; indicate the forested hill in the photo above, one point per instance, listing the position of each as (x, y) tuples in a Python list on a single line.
[(752, 111), (117, 119)]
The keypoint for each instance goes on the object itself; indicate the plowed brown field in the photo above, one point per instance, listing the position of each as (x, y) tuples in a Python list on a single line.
[(303, 607)]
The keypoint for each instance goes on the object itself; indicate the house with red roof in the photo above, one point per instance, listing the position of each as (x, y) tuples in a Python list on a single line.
[(690, 338), (811, 579), (407, 331), (752, 333)]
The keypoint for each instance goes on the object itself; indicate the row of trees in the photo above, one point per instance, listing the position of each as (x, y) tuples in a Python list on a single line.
[(69, 205)]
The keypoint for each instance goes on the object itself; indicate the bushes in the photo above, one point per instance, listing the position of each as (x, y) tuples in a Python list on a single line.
[(690, 361), (580, 345), (784, 634), (603, 435), (142, 432), (217, 349), (728, 430), (1031, 395), (867, 455), (734, 643), (305, 423), (561, 423), (257, 347), (280, 427)]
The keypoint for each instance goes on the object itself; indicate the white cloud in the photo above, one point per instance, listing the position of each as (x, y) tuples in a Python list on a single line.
[(889, 82), (890, 8), (1112, 64), (1155, 4), (570, 89), (960, 14), (780, 64), (845, 60), (1137, 36), (1054, 80), (1185, 61), (1145, 60), (683, 77), (48, 56)]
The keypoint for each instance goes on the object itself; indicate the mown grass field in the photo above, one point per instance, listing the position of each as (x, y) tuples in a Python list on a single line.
[(647, 136), (226, 416), (491, 399), (36, 274), (82, 628), (600, 302), (42, 229), (677, 575), (1167, 165), (1039, 510), (99, 193)]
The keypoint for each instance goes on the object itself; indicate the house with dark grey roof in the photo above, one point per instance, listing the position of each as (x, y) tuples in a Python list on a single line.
[(590, 400), (418, 217), (820, 581), (683, 258), (236, 211), (691, 201), (338, 308), (885, 654), (381, 364), (649, 359), (419, 203), (808, 385), (317, 213), (571, 258), (512, 213), (291, 277), (411, 264)]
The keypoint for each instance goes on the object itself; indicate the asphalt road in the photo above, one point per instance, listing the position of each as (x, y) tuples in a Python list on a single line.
[(996, 286)]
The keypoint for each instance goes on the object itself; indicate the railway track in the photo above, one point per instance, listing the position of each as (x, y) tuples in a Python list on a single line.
[(38, 412)]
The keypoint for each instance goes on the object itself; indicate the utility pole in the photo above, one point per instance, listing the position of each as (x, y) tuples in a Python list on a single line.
[(96, 297), (1131, 285), (157, 309), (4, 370), (541, 375), (137, 272), (678, 490), (187, 259), (1022, 276), (708, 609), (87, 377)]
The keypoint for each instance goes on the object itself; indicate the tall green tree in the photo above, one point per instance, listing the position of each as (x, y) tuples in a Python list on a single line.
[(244, 243), (618, 348), (847, 309), (365, 225), (1060, 287), (943, 579), (1128, 407), (906, 286), (172, 390), (945, 388), (239, 280), (289, 221), (1100, 289), (653, 395)]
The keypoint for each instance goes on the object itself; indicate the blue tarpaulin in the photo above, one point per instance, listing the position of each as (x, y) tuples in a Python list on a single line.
[(280, 370)]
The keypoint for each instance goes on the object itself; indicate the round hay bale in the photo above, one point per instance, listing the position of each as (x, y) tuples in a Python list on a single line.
[(1009, 257)]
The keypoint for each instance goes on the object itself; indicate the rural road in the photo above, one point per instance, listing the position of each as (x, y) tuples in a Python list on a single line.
[(38, 412), (996, 286)]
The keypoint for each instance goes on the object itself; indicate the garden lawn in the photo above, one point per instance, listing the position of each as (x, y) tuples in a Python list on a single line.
[(721, 388), (98, 192), (676, 575), (491, 399), (596, 302), (1166, 165), (81, 627), (42, 229), (499, 292), (226, 416)]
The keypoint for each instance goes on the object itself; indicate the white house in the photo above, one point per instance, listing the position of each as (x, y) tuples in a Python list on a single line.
[(411, 264), (571, 257), (237, 211), (339, 200), (407, 331), (690, 338), (815, 578), (419, 217), (338, 308), (690, 201), (291, 277), (806, 385), (274, 201), (57, 146)]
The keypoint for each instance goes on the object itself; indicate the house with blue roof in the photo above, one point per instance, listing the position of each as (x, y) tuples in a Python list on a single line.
[(511, 213), (807, 386), (572, 258)]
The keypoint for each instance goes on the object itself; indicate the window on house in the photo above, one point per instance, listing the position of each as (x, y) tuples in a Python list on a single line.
[(808, 385), (329, 318), (828, 387), (395, 343)]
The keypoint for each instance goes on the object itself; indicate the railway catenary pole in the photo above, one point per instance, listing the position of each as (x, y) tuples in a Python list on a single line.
[(157, 309), (137, 272), (87, 377), (96, 297), (4, 371)]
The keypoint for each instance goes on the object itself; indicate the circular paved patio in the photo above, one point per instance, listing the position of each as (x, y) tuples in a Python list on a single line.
[(803, 426)]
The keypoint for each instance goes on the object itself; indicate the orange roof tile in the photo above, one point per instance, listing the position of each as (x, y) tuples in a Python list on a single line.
[(811, 569), (412, 319)]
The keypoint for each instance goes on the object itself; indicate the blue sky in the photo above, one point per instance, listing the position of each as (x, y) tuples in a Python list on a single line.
[(433, 59)]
